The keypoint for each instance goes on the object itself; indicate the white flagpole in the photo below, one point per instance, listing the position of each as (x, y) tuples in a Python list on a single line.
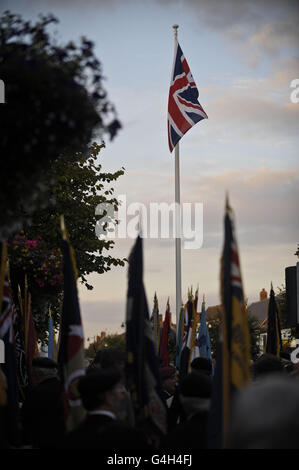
[(178, 220)]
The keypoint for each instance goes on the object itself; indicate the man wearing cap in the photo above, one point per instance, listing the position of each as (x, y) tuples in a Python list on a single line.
[(101, 391)]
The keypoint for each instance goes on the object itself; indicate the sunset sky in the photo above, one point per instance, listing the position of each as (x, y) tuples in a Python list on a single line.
[(243, 57)]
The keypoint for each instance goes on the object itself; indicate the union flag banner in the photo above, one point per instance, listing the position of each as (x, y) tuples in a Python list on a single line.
[(71, 348), (184, 109), (233, 357)]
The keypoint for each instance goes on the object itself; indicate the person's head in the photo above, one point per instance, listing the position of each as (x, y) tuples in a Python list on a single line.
[(109, 357), (168, 378), (101, 390), (43, 369), (266, 415), (195, 393), (202, 365), (265, 365)]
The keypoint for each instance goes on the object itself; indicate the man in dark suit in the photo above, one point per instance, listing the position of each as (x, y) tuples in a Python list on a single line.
[(194, 395), (101, 391)]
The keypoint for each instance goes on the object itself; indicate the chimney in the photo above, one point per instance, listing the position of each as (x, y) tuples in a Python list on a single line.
[(263, 295)]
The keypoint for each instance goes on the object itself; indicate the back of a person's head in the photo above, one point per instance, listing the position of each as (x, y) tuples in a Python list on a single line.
[(267, 364), (109, 357), (201, 364), (195, 393), (266, 415), (44, 368), (196, 385), (94, 385)]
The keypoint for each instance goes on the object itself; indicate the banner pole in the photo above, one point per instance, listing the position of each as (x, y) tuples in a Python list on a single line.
[(177, 220)]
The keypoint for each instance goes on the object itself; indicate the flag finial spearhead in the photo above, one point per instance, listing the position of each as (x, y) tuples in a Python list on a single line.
[(227, 205), (175, 28)]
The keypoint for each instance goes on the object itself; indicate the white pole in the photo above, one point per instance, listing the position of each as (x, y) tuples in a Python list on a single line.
[(178, 221)]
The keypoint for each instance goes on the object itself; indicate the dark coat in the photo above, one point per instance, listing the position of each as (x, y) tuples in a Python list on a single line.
[(102, 432), (42, 415), (191, 434)]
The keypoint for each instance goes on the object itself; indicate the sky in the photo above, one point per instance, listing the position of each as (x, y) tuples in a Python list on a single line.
[(243, 57)]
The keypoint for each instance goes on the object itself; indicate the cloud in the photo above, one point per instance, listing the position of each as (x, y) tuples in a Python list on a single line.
[(255, 118), (264, 200), (271, 38), (256, 29)]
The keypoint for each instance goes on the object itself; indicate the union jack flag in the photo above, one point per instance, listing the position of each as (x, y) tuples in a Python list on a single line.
[(6, 314), (71, 350), (184, 110), (233, 357)]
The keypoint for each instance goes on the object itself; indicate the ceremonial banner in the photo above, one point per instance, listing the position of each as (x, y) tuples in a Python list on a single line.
[(274, 341), (203, 338), (165, 337), (12, 429), (156, 325), (233, 353), (186, 344), (71, 350), (142, 363)]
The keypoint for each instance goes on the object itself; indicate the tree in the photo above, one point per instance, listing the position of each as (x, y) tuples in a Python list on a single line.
[(74, 189), (54, 106), (254, 331), (112, 340)]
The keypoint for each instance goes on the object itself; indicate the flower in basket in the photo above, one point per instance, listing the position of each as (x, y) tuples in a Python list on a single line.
[(43, 266)]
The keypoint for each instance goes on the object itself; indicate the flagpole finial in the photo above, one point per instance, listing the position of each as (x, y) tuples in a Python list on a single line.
[(175, 28), (227, 206)]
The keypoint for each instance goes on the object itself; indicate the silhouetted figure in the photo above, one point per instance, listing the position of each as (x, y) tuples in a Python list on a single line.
[(266, 415), (202, 365), (265, 365), (114, 357), (42, 412), (101, 391), (195, 397), (108, 357), (168, 379)]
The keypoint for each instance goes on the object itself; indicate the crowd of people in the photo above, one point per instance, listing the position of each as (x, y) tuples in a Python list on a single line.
[(265, 415)]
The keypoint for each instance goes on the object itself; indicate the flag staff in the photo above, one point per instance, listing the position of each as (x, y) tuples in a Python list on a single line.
[(177, 218)]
